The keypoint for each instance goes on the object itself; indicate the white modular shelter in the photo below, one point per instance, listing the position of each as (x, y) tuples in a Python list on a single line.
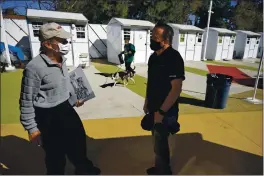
[(260, 49), (5, 56), (220, 45), (247, 44), (188, 41), (75, 23), (17, 33), (139, 33), (97, 41)]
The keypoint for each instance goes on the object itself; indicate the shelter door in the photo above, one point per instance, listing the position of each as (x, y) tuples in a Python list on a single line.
[(140, 38), (69, 56), (149, 51), (225, 47), (198, 47), (251, 47), (190, 47), (246, 52), (231, 47)]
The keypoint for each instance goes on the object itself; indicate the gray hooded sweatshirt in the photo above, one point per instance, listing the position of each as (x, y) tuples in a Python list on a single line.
[(44, 85)]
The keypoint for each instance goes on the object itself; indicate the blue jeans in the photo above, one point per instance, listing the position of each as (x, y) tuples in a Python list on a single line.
[(160, 133)]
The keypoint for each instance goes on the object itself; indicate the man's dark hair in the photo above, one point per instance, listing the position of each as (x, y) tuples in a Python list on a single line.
[(167, 31)]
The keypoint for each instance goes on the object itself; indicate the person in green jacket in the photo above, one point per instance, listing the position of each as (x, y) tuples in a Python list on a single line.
[(129, 52)]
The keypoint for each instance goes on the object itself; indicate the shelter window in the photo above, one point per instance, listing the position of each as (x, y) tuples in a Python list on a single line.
[(233, 39), (35, 27), (127, 34), (257, 40), (199, 37), (220, 39), (182, 38), (80, 31), (248, 40)]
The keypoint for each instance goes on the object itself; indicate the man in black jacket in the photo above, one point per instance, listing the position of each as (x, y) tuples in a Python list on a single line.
[(165, 77)]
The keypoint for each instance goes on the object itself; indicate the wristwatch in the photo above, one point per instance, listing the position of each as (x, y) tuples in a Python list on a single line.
[(162, 112)]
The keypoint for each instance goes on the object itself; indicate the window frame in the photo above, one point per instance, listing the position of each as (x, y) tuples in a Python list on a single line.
[(199, 37), (182, 36), (248, 41), (35, 28), (220, 38), (233, 38), (80, 31), (127, 33)]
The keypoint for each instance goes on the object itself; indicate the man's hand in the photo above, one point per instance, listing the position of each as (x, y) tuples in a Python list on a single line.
[(158, 117), (79, 103), (129, 52), (35, 138)]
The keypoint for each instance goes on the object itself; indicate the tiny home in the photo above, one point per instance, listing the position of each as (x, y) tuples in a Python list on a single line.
[(220, 44), (75, 23), (188, 41), (247, 44), (137, 31), (17, 33), (260, 49), (97, 41)]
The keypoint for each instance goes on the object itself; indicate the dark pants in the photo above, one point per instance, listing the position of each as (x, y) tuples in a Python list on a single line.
[(128, 67), (63, 134), (161, 148), (160, 133)]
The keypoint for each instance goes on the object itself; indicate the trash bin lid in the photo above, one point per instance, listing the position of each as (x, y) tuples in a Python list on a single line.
[(219, 79)]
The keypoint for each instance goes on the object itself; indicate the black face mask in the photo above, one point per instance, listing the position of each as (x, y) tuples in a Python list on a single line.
[(155, 46)]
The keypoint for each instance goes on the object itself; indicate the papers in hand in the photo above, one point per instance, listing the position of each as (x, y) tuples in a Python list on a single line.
[(81, 85)]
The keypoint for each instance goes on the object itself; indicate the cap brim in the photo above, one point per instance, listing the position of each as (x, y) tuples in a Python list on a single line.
[(64, 35)]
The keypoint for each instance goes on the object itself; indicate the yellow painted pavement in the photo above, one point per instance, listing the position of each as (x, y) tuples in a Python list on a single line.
[(216, 143)]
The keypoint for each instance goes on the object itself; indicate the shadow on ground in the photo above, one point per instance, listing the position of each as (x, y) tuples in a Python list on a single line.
[(107, 75), (250, 82), (191, 101), (110, 85), (132, 155)]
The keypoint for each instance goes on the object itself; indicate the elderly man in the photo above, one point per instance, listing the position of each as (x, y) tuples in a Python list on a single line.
[(46, 105)]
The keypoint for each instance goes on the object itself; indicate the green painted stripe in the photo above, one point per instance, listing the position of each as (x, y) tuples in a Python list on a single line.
[(138, 88), (196, 71)]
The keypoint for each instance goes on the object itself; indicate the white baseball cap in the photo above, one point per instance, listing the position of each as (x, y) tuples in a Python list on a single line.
[(50, 30)]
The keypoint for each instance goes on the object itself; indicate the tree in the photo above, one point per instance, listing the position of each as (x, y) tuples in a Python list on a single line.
[(99, 11), (9, 11), (174, 11), (220, 18), (248, 15), (120, 9)]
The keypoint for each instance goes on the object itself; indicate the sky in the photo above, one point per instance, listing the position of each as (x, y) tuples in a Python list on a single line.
[(20, 5), (234, 2)]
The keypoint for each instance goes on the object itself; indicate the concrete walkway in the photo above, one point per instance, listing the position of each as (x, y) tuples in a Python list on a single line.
[(195, 85), (197, 64), (110, 101), (208, 144)]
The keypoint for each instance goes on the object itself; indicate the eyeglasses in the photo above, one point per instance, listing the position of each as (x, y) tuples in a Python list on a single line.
[(64, 42)]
